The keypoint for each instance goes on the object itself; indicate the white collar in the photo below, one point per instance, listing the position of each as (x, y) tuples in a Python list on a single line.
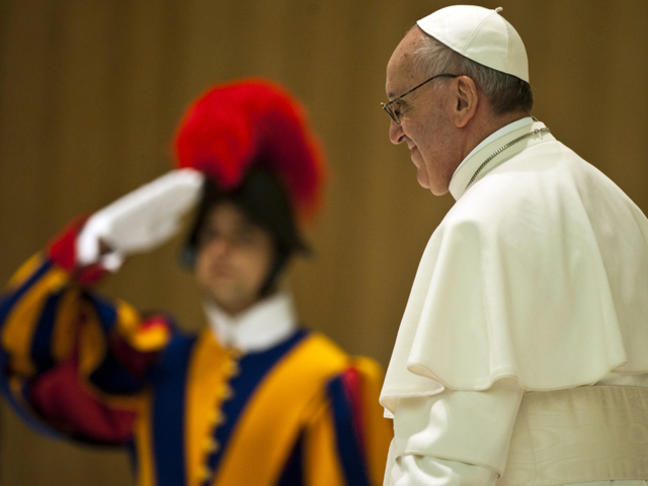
[(527, 120), (260, 327), (485, 151)]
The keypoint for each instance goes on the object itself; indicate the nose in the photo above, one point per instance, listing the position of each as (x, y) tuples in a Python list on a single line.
[(396, 134), (219, 246)]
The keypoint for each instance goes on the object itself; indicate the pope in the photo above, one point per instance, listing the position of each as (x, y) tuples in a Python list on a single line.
[(521, 355)]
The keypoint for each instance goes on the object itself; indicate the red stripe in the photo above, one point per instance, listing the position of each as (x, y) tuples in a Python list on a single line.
[(62, 399), (62, 252), (136, 361)]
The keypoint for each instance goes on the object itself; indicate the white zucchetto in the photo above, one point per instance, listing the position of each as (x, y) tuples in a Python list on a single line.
[(480, 34)]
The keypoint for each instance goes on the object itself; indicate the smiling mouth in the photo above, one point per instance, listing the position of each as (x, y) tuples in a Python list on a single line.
[(220, 270)]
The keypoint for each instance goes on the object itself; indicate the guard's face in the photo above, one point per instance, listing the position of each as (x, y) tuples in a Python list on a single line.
[(233, 259), (425, 127)]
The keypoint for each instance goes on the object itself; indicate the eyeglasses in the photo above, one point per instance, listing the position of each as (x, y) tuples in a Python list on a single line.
[(394, 114)]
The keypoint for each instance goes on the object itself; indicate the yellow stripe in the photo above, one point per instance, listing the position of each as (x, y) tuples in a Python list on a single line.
[(142, 339), (321, 458), (67, 323), (206, 388), (22, 320), (92, 345), (26, 270), (143, 444), (151, 339), (273, 416), (378, 430), (128, 319)]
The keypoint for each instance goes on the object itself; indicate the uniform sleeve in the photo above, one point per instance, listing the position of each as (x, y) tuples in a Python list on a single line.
[(72, 362), (455, 438), (347, 442)]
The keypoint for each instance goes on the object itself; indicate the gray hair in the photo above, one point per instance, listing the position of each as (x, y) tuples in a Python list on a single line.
[(506, 93)]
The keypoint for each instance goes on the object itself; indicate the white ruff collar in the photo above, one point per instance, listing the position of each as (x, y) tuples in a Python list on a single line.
[(260, 327)]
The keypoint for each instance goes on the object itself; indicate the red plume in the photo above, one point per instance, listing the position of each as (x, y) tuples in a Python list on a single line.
[(235, 125)]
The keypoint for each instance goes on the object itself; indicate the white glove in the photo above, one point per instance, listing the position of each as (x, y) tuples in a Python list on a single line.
[(139, 221)]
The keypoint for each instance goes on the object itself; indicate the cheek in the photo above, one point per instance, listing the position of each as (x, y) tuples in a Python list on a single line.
[(420, 136), (259, 266), (410, 130), (201, 266), (253, 264), (429, 139), (429, 153)]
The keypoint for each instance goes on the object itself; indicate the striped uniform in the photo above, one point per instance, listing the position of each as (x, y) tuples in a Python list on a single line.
[(78, 365)]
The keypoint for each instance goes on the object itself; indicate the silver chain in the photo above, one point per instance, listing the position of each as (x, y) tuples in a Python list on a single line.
[(537, 131)]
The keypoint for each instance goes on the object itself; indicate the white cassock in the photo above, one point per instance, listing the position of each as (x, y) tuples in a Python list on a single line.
[(522, 355)]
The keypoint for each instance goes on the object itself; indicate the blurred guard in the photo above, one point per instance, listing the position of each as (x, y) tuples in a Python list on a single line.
[(253, 399)]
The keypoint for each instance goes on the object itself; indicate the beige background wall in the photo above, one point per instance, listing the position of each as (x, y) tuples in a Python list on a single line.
[(90, 92)]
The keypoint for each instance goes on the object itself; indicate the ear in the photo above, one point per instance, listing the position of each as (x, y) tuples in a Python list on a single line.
[(467, 99)]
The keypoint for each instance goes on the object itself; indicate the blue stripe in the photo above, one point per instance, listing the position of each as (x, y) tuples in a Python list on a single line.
[(113, 377), (348, 445), (40, 352), (293, 472), (105, 309), (254, 367), (169, 381), (8, 301), (132, 456)]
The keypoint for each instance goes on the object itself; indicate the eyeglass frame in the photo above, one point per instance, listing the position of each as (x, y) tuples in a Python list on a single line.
[(387, 106)]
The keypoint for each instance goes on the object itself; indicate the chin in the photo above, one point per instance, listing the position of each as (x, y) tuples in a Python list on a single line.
[(438, 191), (421, 178), (435, 187), (231, 305)]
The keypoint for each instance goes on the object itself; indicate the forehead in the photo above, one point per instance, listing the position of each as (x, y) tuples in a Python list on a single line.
[(401, 72), (226, 214)]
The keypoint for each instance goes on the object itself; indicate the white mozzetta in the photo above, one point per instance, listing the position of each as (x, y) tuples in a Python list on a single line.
[(526, 277)]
